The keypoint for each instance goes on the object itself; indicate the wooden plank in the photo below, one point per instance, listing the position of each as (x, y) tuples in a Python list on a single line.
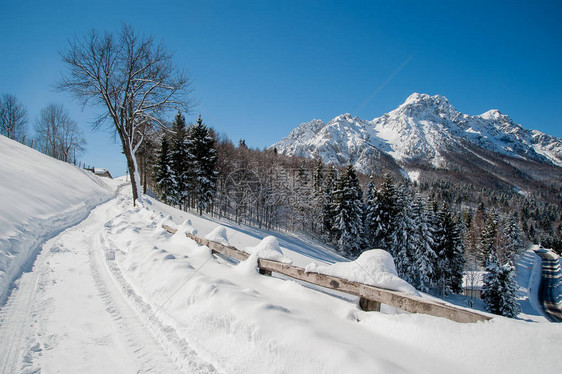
[(170, 229), (415, 304), (408, 303), (310, 277), (264, 272), (370, 297), (369, 305), (229, 251)]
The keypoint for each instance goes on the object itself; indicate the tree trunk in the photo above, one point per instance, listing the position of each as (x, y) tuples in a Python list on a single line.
[(144, 175), (131, 165)]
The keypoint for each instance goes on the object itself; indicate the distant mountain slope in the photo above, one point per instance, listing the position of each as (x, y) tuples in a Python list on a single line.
[(428, 133), (39, 196)]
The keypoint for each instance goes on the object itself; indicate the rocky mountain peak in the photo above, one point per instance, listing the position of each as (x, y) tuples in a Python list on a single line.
[(425, 131), (419, 105)]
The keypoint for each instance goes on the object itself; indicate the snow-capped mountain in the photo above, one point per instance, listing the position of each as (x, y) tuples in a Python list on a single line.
[(424, 132)]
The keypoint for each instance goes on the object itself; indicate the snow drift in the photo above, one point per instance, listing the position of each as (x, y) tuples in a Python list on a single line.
[(39, 197), (374, 267), (245, 323)]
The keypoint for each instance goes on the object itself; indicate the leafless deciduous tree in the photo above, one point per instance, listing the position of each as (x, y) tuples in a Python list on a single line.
[(132, 78), (58, 135), (13, 117)]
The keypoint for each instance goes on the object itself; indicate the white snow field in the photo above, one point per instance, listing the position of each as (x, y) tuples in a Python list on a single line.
[(116, 293), (39, 196)]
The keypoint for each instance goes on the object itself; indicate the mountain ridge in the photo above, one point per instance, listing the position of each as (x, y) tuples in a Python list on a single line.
[(425, 132)]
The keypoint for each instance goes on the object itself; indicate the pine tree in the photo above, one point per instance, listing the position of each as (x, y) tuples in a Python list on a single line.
[(163, 174), (318, 180), (473, 237), (372, 206), (329, 203), (425, 257), (303, 203), (456, 257), (489, 242), (318, 176), (179, 159), (513, 243), (202, 164), (500, 289), (383, 210), (349, 214), (449, 248), (403, 240)]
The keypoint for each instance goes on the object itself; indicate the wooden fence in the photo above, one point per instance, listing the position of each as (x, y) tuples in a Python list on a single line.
[(370, 297)]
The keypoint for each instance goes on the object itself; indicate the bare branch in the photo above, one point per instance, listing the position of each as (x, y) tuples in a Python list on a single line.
[(13, 117), (131, 77)]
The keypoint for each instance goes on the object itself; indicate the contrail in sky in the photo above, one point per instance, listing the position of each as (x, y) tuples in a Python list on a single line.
[(379, 88)]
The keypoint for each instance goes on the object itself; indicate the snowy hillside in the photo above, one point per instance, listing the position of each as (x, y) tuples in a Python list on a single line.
[(39, 197), (116, 293), (424, 130)]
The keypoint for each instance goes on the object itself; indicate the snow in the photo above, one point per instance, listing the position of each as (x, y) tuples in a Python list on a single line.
[(185, 228), (38, 199), (242, 322), (218, 235), (491, 114), (473, 279), (528, 277), (269, 249), (471, 130), (374, 267), (246, 322), (163, 303), (412, 175)]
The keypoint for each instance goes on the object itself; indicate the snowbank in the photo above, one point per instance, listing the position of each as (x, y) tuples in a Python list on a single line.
[(218, 235), (374, 267), (269, 249), (39, 197), (185, 228), (244, 323)]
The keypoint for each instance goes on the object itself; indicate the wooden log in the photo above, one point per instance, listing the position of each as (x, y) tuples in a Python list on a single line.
[(229, 251), (369, 305), (310, 277), (215, 247), (408, 303), (416, 304), (370, 297)]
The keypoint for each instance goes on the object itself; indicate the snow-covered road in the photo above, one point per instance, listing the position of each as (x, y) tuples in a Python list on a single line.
[(551, 285), (70, 313)]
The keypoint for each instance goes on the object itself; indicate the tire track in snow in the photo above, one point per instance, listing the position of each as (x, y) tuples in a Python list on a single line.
[(15, 314), (14, 322), (176, 348), (26, 327), (147, 352)]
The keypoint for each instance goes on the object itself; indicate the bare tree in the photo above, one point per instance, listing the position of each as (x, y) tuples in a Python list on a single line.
[(58, 135), (13, 117), (132, 78), (71, 141)]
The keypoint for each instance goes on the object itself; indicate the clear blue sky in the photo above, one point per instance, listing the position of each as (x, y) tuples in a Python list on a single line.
[(260, 68)]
